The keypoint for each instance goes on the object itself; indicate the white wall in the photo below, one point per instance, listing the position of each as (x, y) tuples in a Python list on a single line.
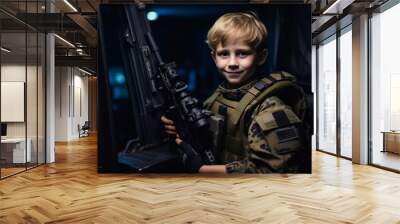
[(61, 103), (33, 126), (16, 72), (71, 102)]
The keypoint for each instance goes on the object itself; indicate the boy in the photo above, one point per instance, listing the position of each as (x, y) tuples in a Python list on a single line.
[(263, 114)]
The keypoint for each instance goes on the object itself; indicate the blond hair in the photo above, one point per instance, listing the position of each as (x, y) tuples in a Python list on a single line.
[(244, 25)]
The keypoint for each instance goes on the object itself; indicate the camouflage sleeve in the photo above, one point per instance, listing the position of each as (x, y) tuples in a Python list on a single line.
[(273, 140)]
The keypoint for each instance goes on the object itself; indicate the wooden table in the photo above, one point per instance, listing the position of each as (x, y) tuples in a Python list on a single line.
[(391, 141), (13, 150)]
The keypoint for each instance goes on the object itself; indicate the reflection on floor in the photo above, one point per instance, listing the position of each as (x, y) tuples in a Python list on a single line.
[(10, 169), (71, 191), (386, 159)]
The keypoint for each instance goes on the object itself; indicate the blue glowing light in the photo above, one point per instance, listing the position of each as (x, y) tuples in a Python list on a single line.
[(120, 78), (117, 83), (116, 76), (151, 16)]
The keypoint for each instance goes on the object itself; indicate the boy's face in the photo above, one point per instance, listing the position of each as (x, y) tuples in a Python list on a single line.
[(237, 60)]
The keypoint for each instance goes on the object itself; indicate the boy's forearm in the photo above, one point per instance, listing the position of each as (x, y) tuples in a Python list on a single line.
[(212, 169)]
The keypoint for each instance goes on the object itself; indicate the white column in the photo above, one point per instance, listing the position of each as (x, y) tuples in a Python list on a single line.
[(62, 103), (360, 90), (50, 93)]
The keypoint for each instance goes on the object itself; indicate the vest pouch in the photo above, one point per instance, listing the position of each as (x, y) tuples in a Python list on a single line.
[(217, 127)]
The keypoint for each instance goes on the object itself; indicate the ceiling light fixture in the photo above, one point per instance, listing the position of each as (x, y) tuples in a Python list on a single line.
[(329, 9), (70, 5), (5, 50), (337, 7), (84, 71), (64, 40)]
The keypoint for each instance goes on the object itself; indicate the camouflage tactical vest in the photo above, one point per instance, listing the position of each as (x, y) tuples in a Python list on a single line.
[(237, 106)]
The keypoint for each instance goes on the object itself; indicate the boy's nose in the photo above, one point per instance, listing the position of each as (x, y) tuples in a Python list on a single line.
[(233, 62)]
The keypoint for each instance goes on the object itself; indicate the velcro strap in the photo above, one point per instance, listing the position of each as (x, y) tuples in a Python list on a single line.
[(260, 85), (282, 75), (281, 118), (276, 76), (269, 120), (287, 75), (287, 134)]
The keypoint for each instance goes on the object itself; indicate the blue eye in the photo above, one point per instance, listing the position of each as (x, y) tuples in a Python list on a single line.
[(243, 54), (223, 54)]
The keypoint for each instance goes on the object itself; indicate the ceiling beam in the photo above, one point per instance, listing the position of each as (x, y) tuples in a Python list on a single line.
[(81, 21), (85, 61)]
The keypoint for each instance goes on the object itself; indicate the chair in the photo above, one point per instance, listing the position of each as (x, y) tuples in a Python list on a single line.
[(84, 130)]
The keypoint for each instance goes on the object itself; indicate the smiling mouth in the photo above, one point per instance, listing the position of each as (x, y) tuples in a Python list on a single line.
[(234, 73)]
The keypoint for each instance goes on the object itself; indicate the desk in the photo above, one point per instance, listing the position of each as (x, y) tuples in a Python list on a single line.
[(15, 148), (391, 141)]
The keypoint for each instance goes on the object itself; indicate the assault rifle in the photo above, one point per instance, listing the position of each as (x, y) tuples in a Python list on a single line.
[(156, 88)]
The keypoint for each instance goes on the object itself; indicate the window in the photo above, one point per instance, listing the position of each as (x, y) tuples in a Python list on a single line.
[(327, 96), (346, 93), (385, 88)]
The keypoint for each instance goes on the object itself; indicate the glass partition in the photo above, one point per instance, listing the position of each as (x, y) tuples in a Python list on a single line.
[(385, 89), (13, 105), (327, 96), (41, 96), (32, 95), (22, 88), (346, 93), (32, 87)]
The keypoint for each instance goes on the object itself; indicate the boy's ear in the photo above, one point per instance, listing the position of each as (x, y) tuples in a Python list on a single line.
[(262, 56)]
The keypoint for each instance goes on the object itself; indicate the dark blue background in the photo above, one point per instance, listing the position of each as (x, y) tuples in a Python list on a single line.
[(181, 32)]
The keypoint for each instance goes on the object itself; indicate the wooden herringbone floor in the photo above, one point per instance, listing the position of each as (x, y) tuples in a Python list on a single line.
[(71, 191)]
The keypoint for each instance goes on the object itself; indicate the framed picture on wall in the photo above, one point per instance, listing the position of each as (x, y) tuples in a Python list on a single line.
[(236, 100)]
